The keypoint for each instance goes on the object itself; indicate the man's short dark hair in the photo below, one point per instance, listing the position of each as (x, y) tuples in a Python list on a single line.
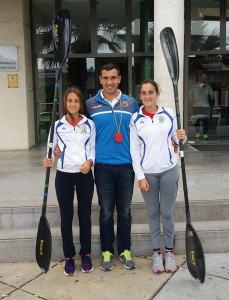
[(109, 67)]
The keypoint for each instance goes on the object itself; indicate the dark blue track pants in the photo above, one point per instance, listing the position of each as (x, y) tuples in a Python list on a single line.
[(66, 183)]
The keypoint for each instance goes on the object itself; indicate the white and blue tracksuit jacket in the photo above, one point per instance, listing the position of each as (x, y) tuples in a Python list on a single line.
[(77, 144), (150, 142), (107, 150)]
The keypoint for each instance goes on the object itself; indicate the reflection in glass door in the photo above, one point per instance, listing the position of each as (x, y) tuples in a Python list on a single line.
[(111, 30), (205, 25), (45, 78), (208, 109)]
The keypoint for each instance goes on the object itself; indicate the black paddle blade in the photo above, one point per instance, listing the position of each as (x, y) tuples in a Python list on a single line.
[(61, 34), (43, 245), (169, 48), (194, 254)]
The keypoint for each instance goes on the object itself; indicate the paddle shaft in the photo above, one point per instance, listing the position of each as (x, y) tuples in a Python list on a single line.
[(185, 188), (55, 101)]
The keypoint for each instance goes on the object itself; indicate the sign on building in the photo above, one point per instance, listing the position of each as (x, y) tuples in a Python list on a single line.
[(8, 58)]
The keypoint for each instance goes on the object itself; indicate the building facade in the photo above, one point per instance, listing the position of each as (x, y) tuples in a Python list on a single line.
[(125, 32)]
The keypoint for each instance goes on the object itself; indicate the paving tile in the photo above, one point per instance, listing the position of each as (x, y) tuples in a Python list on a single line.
[(5, 289), (17, 274), (120, 283), (217, 265), (183, 286), (19, 295)]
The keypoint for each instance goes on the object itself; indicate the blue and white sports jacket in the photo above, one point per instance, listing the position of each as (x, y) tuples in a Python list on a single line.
[(107, 151), (77, 144), (150, 142)]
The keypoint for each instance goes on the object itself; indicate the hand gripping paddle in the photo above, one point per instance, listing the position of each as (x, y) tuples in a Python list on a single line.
[(194, 250), (61, 34)]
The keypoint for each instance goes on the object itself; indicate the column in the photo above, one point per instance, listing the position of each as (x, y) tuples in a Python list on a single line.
[(168, 13), (16, 104)]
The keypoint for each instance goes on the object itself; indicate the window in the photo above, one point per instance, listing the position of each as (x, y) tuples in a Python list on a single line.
[(227, 26), (102, 31), (81, 27), (42, 29), (205, 25), (111, 30), (142, 26), (206, 87)]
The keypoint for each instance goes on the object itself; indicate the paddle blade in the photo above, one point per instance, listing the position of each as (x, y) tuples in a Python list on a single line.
[(169, 49), (43, 245), (61, 34), (194, 254)]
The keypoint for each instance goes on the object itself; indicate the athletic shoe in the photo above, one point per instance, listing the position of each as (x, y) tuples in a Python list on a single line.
[(106, 261), (205, 137), (70, 269), (197, 136), (86, 263), (127, 260), (158, 266), (170, 265)]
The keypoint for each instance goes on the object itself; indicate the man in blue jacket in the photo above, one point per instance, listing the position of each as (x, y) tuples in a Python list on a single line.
[(111, 112)]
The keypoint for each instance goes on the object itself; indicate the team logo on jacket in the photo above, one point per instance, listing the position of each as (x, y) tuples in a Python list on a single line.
[(84, 129), (161, 119), (124, 104)]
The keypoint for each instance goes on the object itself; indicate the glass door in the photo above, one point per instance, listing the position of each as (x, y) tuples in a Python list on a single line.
[(208, 106), (103, 31), (207, 64)]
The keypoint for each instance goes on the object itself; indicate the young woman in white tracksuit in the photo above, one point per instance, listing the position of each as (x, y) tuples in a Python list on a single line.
[(152, 130), (75, 136)]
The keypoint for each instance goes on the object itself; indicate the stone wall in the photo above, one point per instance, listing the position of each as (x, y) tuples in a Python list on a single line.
[(16, 104)]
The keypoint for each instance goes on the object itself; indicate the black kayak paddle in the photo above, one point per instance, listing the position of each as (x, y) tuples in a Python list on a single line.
[(61, 34), (194, 251)]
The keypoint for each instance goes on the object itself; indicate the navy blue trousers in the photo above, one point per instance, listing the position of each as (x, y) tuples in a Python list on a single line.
[(66, 184), (114, 185)]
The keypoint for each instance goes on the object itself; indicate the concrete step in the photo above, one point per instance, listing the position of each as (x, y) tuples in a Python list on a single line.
[(28, 217), (214, 236)]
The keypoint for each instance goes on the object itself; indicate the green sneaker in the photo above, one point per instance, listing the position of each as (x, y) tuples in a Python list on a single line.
[(106, 261), (197, 136), (205, 137), (128, 261)]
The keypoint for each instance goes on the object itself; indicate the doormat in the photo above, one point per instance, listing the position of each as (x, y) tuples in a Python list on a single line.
[(211, 147)]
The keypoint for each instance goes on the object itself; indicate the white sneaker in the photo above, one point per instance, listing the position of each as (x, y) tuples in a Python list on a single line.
[(158, 266), (170, 265)]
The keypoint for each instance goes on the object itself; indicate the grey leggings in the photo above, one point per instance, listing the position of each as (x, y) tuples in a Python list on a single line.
[(160, 200)]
